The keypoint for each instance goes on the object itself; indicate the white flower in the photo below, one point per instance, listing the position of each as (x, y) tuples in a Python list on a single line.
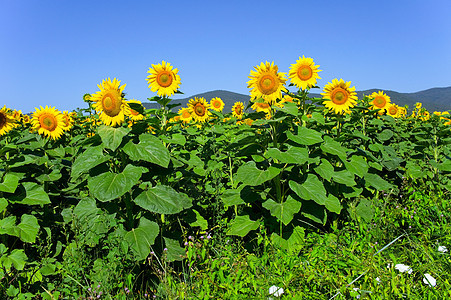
[(429, 280), (276, 291), (358, 295), (442, 249), (403, 268), (378, 280)]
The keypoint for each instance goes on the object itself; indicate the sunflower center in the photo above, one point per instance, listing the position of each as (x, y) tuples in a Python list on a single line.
[(111, 104), (392, 110), (379, 102), (263, 105), (164, 79), (48, 122), (3, 120), (199, 109), (216, 104), (186, 114), (66, 121), (339, 96), (134, 112), (267, 84), (238, 110), (305, 73)]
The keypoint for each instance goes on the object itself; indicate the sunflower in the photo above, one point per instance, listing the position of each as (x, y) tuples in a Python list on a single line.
[(393, 110), (109, 102), (198, 108), (48, 121), (380, 101), (266, 82), (238, 110), (163, 79), (339, 96), (68, 122), (217, 104), (7, 121), (304, 73), (261, 106), (133, 114), (185, 114)]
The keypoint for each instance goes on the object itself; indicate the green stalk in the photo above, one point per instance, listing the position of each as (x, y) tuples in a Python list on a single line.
[(129, 210)]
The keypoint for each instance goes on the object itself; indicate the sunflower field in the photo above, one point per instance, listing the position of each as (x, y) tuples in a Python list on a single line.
[(309, 197)]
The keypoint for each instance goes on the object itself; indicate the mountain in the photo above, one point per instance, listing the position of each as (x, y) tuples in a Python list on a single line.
[(435, 99)]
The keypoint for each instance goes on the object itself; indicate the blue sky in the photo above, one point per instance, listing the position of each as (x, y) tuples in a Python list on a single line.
[(52, 52)]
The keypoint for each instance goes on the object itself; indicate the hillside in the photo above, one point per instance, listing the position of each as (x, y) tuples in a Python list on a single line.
[(435, 99)]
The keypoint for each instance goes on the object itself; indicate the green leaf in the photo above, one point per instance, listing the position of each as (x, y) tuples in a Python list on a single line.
[(32, 194), (176, 138), (311, 189), (143, 237), (365, 210), (377, 182), (314, 212), (293, 155), (325, 169), (3, 204), (294, 243), (319, 118), (283, 211), (17, 258), (9, 184), (232, 197), (112, 137), (385, 135), (93, 156), (344, 177), (197, 220), (445, 166), (333, 204), (108, 186), (289, 108), (8, 225), (333, 147), (28, 229), (357, 165), (163, 199), (150, 149), (249, 174), (242, 225), (86, 209), (174, 252), (305, 136), (414, 171)]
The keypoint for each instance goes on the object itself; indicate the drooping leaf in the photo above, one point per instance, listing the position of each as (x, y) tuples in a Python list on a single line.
[(344, 177), (242, 225), (143, 237), (333, 147), (357, 165), (174, 251), (93, 156), (283, 211), (10, 183), (293, 155), (108, 186), (150, 149), (112, 137), (290, 108), (163, 199), (333, 204), (249, 174), (305, 136), (32, 194), (325, 169), (28, 229), (16, 258), (3, 204), (377, 182), (232, 197), (311, 189)]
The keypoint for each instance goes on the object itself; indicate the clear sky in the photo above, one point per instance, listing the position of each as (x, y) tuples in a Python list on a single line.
[(53, 52)]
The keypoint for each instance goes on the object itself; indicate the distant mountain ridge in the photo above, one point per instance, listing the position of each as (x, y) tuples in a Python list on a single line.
[(434, 99)]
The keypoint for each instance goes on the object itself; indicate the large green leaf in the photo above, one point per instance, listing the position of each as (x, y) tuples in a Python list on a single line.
[(8, 225), (28, 229), (174, 251), (293, 155), (314, 212), (283, 211), (163, 199), (232, 197), (242, 225), (249, 174), (344, 177), (9, 184), (294, 243), (311, 189), (357, 165), (290, 108), (377, 182), (365, 210), (31, 193), (325, 169), (333, 147), (108, 186), (143, 237), (112, 137), (305, 136), (93, 156), (333, 204), (3, 204), (150, 149), (86, 209), (16, 258)]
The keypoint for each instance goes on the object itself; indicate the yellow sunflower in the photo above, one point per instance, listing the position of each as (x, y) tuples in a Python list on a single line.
[(109, 103), (380, 101), (68, 122), (7, 121), (261, 106), (339, 96), (304, 73), (238, 110), (48, 121), (217, 104), (266, 82), (133, 114), (393, 110), (163, 79), (198, 108), (185, 114)]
